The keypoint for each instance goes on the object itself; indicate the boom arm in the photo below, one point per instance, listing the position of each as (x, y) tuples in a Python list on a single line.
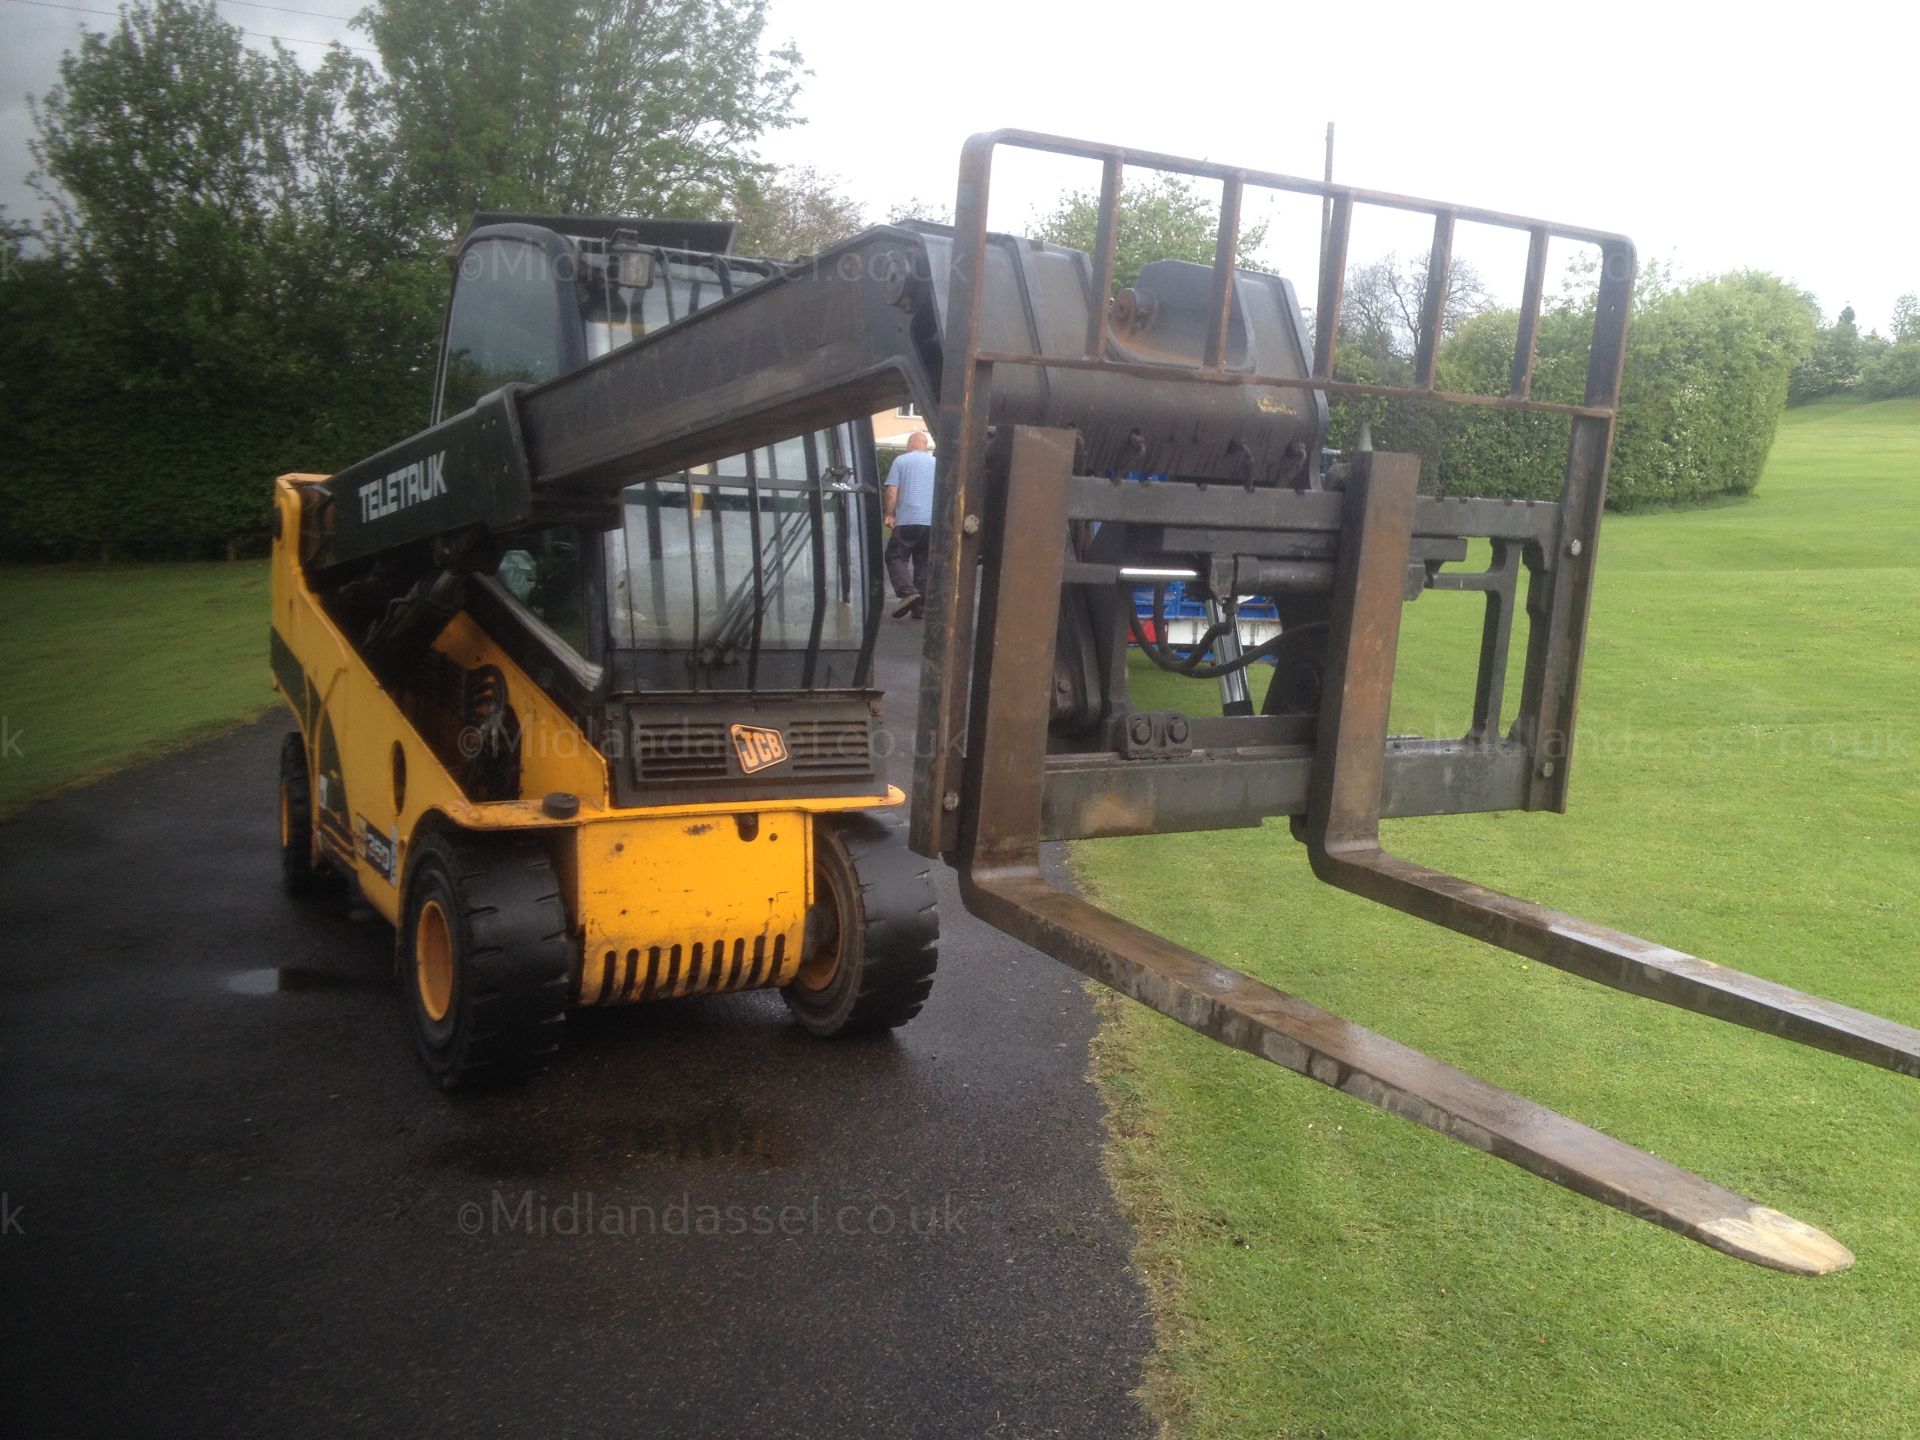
[(843, 334)]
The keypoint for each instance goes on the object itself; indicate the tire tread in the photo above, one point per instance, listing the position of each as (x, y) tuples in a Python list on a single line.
[(519, 961), (901, 927)]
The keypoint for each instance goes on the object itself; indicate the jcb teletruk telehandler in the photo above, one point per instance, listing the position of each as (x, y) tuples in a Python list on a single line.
[(583, 672)]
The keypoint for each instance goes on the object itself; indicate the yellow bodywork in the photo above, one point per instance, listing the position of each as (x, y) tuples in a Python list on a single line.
[(667, 900), (683, 904)]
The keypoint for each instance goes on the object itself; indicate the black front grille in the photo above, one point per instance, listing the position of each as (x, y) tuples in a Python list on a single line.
[(687, 750), (681, 750), (830, 747)]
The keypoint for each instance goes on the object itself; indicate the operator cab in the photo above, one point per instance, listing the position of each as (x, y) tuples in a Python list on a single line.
[(755, 573)]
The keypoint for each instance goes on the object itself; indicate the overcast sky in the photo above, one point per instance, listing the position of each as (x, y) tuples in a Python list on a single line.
[(1716, 136)]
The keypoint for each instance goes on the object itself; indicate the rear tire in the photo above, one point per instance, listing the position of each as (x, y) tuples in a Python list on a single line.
[(300, 871), (485, 956), (873, 941)]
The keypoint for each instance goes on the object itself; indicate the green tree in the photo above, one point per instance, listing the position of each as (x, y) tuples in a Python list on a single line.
[(1163, 218), (918, 207), (164, 154), (797, 211), (1832, 363), (217, 301), (1894, 369), (614, 107), (1906, 318), (1380, 313)]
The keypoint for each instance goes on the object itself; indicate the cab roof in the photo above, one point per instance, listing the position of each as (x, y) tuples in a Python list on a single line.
[(707, 237)]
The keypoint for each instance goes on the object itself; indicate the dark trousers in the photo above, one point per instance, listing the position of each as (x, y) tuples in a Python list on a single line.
[(907, 552)]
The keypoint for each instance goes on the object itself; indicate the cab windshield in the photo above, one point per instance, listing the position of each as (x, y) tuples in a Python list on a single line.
[(757, 571), (755, 565)]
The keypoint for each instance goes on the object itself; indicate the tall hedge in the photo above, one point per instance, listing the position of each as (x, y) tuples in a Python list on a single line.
[(109, 457), (1701, 393)]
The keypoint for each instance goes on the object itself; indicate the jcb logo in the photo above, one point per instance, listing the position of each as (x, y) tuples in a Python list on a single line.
[(757, 747)]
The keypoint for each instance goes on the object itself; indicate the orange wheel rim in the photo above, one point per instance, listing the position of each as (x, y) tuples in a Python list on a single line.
[(818, 969), (433, 960), (286, 818)]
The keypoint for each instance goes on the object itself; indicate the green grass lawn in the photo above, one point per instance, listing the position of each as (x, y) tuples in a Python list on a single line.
[(101, 667), (1748, 788)]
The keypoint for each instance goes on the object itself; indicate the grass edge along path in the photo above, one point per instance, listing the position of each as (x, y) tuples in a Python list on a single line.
[(102, 667)]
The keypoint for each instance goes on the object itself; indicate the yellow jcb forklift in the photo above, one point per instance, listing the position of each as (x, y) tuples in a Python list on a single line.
[(614, 762), (583, 672)]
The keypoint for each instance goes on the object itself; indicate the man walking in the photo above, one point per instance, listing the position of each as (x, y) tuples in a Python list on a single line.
[(907, 506)]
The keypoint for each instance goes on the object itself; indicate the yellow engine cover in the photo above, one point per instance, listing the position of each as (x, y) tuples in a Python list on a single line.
[(691, 904)]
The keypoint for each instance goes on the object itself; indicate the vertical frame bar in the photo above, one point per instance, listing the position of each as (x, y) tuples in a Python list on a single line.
[(1019, 622), (817, 555), (1220, 303), (1496, 639), (1369, 592), (1433, 305), (1106, 242), (1520, 379), (947, 660), (864, 509), (1582, 499), (1333, 287), (693, 576), (759, 571)]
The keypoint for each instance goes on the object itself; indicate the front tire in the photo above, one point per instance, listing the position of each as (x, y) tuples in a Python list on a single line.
[(485, 957), (872, 942)]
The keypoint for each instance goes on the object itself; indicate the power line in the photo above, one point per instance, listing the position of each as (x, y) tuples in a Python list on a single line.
[(250, 34), (283, 10), (77, 9)]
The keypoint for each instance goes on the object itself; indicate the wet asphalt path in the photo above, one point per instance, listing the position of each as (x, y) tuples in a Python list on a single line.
[(239, 1210)]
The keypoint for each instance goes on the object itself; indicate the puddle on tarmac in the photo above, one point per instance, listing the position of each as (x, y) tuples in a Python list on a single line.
[(711, 1137), (292, 977), (612, 1145)]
